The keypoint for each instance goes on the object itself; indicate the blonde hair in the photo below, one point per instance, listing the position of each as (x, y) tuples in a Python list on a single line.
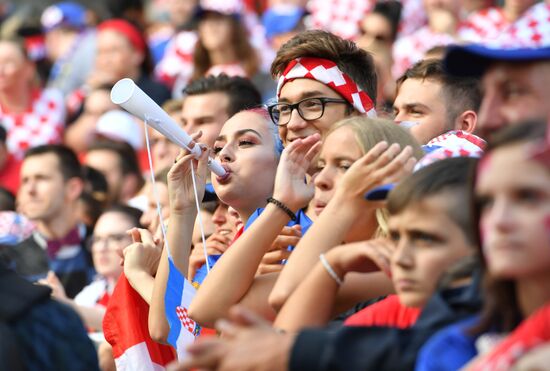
[(370, 131)]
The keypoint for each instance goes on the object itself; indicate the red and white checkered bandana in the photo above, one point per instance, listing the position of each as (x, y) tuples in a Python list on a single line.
[(328, 73)]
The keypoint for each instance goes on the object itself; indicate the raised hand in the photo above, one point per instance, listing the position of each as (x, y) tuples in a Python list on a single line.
[(143, 255), (290, 182), (180, 183), (364, 256), (51, 280), (383, 164)]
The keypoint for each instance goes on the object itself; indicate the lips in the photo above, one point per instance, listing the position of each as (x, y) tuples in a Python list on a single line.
[(319, 206), (227, 177), (405, 284)]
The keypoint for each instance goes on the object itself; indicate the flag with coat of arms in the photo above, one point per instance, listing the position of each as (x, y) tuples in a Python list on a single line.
[(179, 293)]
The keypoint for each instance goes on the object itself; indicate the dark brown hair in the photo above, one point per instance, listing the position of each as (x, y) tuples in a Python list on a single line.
[(460, 93), (244, 51), (355, 62), (501, 310), (448, 176)]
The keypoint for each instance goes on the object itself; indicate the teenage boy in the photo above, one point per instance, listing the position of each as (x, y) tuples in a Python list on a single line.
[(425, 248), (322, 80)]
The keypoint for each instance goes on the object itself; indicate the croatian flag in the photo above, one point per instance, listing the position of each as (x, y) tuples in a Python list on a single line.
[(125, 328), (179, 293)]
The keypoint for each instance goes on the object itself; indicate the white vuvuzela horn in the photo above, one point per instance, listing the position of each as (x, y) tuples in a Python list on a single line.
[(129, 96)]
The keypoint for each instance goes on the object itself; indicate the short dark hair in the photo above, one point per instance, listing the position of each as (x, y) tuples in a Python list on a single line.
[(95, 184), (127, 155), (461, 93), (391, 10), (352, 60), (445, 176), (131, 213), (3, 134), (68, 161), (7, 200), (241, 92)]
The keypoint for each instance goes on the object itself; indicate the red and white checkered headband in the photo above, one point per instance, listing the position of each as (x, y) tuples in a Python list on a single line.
[(328, 73)]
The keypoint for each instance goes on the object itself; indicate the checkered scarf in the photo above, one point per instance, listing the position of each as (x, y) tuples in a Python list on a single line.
[(328, 73)]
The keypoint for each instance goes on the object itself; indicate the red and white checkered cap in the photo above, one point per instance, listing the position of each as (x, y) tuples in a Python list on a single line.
[(454, 143), (328, 73), (228, 7)]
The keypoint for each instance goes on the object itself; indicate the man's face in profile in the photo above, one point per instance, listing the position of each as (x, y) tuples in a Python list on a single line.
[(513, 93)]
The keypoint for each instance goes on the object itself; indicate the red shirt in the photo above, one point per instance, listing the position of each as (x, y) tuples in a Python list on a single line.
[(532, 332), (387, 313)]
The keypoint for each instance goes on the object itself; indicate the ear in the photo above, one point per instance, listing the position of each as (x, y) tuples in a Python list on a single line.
[(466, 121), (74, 188), (137, 58)]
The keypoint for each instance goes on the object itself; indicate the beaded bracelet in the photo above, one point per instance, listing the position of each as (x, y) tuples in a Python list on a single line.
[(329, 270), (283, 207)]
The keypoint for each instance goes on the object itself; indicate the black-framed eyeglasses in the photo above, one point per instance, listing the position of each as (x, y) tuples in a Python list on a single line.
[(309, 109)]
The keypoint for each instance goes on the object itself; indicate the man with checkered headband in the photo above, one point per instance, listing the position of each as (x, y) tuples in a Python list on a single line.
[(321, 80)]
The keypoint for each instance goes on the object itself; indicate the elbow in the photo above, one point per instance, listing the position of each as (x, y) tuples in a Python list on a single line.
[(277, 299), (158, 331), (201, 316), (158, 335)]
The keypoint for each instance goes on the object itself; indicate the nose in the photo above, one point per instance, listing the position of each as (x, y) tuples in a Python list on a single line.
[(490, 116), (219, 217), (147, 218), (296, 121), (226, 154), (403, 255), (324, 180), (401, 116), (499, 217)]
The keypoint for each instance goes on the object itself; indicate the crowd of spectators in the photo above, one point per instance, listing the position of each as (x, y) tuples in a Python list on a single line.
[(386, 203)]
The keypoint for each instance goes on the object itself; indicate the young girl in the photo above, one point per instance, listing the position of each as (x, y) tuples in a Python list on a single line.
[(247, 149), (513, 204)]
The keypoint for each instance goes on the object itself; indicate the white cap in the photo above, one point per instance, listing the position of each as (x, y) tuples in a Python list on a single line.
[(120, 125)]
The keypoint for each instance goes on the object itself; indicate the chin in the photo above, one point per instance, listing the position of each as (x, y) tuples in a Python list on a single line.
[(412, 300)]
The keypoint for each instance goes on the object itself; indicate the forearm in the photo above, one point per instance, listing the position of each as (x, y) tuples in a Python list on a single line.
[(310, 304), (143, 283), (179, 234), (91, 316), (329, 230), (158, 324), (234, 273)]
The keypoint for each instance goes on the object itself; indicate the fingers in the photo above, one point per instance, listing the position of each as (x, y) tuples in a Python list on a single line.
[(375, 152), (146, 237), (282, 242), (275, 256), (204, 354), (242, 316), (134, 233)]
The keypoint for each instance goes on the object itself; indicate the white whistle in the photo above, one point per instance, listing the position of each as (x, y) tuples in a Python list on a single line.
[(129, 96)]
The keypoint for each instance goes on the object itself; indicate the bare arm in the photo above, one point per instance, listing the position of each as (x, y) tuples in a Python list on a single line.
[(348, 203), (319, 297), (180, 230), (234, 273)]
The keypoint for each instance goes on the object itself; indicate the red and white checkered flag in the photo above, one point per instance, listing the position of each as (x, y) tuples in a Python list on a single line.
[(328, 73), (186, 322)]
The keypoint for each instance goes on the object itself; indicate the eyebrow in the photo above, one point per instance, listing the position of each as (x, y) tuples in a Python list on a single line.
[(308, 94), (240, 133), (413, 105)]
